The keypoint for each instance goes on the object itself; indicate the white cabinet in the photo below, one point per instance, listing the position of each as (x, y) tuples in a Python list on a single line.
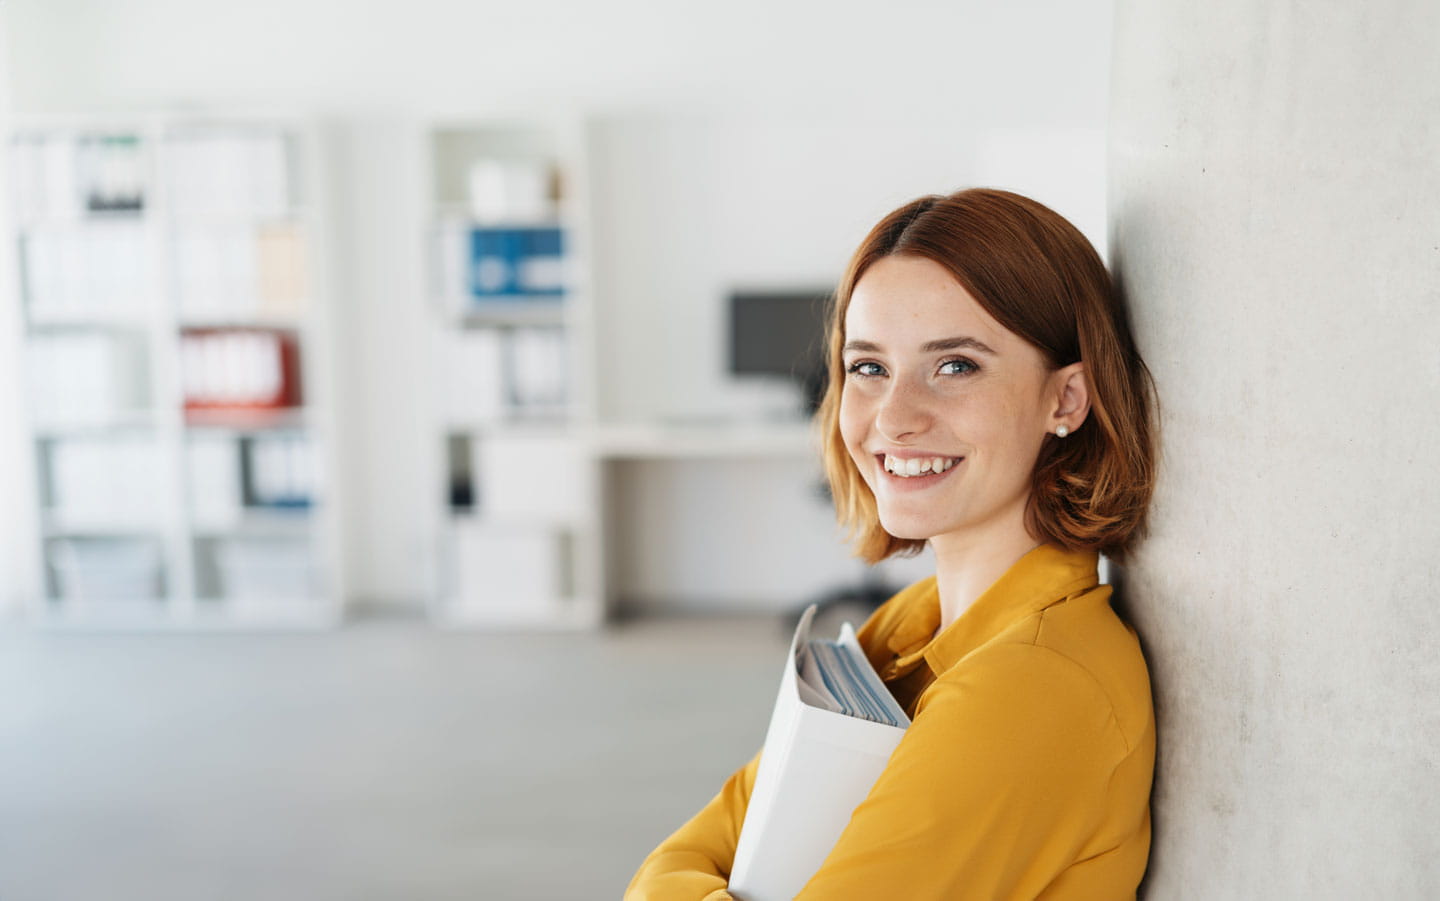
[(509, 301), (175, 333)]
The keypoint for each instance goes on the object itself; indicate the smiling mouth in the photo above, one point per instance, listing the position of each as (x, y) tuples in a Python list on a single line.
[(917, 467)]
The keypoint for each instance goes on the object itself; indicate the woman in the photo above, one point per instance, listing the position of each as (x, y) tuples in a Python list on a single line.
[(985, 397)]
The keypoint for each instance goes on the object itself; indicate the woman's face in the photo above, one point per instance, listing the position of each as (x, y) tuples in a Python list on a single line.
[(943, 409)]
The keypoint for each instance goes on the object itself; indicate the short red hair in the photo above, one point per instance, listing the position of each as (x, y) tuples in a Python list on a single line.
[(1039, 277)]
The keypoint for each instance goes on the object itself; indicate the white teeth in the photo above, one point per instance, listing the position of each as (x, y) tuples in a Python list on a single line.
[(915, 466)]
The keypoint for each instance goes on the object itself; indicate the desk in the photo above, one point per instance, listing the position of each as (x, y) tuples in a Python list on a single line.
[(705, 516), (714, 516), (675, 441)]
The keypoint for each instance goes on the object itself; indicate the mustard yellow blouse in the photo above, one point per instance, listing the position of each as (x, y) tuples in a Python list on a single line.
[(1025, 772)]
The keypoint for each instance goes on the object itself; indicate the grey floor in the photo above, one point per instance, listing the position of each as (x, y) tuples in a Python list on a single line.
[(384, 760)]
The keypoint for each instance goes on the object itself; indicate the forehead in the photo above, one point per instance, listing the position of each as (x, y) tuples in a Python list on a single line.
[(902, 301)]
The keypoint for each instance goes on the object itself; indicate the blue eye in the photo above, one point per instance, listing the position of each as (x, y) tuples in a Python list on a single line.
[(865, 369), (961, 366)]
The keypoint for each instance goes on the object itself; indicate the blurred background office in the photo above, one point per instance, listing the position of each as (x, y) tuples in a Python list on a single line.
[(399, 499)]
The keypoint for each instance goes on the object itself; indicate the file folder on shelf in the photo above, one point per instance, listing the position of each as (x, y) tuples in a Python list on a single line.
[(816, 767)]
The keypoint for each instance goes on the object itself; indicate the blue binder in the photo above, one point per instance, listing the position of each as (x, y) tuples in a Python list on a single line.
[(516, 264)]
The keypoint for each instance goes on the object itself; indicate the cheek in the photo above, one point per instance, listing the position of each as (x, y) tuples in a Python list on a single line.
[(854, 423), (1011, 429)]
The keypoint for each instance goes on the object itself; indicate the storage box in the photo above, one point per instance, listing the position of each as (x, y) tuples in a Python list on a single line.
[(117, 480), (532, 478), (472, 375), (106, 569), (507, 574), (502, 191), (87, 376), (214, 472), (265, 570)]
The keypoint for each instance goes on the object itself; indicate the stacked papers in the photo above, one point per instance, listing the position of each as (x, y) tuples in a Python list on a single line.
[(836, 676)]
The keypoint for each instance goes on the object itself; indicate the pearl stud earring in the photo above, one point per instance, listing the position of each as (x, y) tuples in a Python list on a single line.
[(1061, 431)]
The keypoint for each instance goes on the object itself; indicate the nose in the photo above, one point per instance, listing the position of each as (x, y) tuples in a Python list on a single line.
[(904, 412)]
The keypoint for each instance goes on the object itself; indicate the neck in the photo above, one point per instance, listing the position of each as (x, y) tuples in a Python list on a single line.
[(967, 565)]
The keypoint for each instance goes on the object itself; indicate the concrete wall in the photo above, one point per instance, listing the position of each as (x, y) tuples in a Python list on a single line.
[(1275, 221)]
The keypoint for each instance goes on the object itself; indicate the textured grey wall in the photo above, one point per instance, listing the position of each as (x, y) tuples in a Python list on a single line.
[(1275, 221)]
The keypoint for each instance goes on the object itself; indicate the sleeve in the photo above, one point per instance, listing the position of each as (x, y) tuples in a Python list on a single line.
[(694, 863), (996, 786)]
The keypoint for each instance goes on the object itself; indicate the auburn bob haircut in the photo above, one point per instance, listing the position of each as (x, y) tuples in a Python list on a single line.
[(1038, 277)]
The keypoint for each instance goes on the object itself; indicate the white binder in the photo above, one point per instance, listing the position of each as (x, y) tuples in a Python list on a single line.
[(815, 769)]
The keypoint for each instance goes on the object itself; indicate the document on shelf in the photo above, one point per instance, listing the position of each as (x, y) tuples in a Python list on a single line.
[(831, 733)]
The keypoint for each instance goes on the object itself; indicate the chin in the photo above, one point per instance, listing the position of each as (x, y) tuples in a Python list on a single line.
[(908, 529)]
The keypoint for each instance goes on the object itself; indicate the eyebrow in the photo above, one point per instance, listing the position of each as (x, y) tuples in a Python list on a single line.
[(961, 342)]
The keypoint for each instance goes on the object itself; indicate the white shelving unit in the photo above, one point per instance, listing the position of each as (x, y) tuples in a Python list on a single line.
[(175, 326), (523, 461), (517, 486)]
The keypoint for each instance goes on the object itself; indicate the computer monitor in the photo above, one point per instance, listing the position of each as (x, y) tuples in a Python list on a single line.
[(781, 334)]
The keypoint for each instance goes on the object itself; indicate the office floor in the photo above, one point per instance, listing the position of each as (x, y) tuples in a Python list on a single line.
[(383, 760)]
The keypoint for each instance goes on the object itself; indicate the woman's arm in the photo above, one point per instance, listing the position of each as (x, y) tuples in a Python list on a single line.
[(694, 862), (998, 785)]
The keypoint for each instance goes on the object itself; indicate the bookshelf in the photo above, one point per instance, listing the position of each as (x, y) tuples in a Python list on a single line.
[(515, 481), (176, 370)]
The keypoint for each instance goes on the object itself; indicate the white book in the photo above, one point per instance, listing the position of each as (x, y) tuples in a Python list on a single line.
[(243, 268), (227, 162), (194, 368), (195, 270), (139, 481), (130, 270), (29, 179), (213, 464), (537, 369), (44, 287), (61, 192), (214, 368), (268, 470), (473, 376), (816, 767), (232, 362), (74, 274), (270, 194), (297, 468), (452, 261)]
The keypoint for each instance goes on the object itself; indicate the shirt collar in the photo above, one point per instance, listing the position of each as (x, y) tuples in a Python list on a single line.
[(1044, 576)]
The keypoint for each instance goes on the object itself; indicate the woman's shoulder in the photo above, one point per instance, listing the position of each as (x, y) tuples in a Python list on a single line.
[(1081, 641)]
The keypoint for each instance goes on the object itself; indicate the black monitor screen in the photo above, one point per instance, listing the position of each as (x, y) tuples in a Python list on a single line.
[(779, 333)]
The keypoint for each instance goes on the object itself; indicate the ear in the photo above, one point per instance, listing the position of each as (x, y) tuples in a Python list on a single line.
[(1072, 397)]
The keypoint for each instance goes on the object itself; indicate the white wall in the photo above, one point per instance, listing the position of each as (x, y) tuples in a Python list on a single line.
[(1276, 222), (1035, 63), (696, 206), (737, 143)]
